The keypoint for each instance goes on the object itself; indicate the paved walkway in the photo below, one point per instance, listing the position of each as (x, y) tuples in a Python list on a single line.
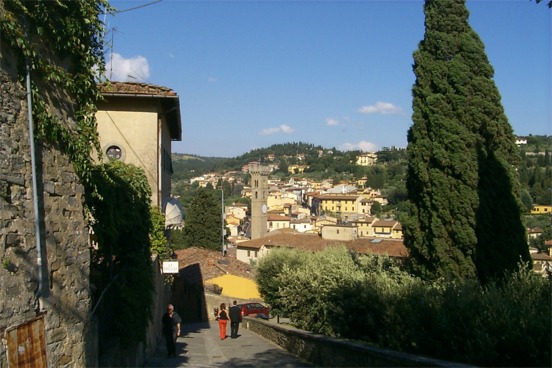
[(201, 346)]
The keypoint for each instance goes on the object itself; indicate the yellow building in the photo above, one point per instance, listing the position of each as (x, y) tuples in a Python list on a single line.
[(136, 124), (387, 229), (343, 204), (541, 209), (277, 200), (364, 226), (321, 221), (366, 159), (297, 169), (275, 222), (339, 232), (396, 232)]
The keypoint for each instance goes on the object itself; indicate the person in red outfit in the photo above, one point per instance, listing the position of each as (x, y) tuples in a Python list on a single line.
[(223, 318)]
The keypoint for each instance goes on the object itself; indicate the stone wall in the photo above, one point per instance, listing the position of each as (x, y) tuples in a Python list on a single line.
[(325, 351), (66, 257)]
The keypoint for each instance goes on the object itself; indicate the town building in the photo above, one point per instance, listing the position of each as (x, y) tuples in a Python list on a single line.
[(259, 195), (253, 250), (136, 123), (541, 209), (367, 159)]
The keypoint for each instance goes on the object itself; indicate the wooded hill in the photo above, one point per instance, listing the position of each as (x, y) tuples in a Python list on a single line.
[(535, 168)]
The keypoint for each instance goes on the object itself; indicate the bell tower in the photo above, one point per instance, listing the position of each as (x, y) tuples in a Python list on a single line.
[(259, 195)]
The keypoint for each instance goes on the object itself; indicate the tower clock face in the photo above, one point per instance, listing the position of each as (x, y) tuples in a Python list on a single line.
[(263, 208)]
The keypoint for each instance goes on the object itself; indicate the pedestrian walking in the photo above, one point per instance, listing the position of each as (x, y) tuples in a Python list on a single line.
[(235, 318), (222, 320), (171, 329)]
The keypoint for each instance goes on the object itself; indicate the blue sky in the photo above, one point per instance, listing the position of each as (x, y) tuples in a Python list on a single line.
[(332, 73)]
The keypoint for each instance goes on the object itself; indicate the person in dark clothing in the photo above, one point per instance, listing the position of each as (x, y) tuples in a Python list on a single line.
[(171, 329), (235, 319)]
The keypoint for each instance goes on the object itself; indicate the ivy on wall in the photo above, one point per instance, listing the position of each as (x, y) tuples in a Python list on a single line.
[(122, 260), (62, 44)]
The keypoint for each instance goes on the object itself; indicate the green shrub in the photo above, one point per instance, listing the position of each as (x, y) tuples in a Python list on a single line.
[(338, 293), (317, 296), (269, 269)]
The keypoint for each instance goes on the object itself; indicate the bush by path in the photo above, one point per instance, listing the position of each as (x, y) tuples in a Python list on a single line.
[(370, 298)]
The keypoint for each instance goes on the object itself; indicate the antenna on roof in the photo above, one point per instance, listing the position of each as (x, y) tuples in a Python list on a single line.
[(111, 54), (132, 76)]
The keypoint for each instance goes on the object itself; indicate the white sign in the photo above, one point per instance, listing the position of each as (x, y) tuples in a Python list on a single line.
[(170, 266)]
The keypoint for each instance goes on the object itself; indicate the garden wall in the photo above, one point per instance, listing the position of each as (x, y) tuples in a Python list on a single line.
[(326, 351)]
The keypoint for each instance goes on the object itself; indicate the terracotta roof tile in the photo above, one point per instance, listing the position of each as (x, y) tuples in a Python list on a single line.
[(130, 88), (340, 197), (210, 264), (275, 217), (385, 223), (313, 242)]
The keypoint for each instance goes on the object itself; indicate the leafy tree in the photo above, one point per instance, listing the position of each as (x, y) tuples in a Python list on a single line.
[(376, 208), (203, 220), (376, 176), (158, 240), (269, 269), (176, 239), (318, 294), (371, 298), (526, 200), (466, 218)]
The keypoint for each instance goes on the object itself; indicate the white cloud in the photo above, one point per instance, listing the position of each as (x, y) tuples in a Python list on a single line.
[(285, 129), (127, 70), (332, 122), (384, 108), (362, 146)]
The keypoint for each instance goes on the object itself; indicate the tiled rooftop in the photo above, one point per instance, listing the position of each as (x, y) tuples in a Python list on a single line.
[(131, 88), (211, 263), (313, 242)]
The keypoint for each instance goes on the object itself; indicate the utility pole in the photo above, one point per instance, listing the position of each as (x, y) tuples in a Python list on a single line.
[(223, 215)]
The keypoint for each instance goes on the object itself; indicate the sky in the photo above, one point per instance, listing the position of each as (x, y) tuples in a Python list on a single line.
[(336, 74)]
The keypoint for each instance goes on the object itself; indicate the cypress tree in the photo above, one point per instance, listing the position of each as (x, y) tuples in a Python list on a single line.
[(466, 218), (203, 227)]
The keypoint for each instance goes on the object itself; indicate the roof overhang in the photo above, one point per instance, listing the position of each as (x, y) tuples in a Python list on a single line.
[(169, 100)]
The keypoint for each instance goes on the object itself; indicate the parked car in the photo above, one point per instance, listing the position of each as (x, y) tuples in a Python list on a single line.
[(258, 309)]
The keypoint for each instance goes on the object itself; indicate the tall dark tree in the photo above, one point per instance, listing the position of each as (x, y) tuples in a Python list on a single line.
[(203, 226), (466, 218)]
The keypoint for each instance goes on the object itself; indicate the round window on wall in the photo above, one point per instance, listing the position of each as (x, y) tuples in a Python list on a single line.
[(114, 152)]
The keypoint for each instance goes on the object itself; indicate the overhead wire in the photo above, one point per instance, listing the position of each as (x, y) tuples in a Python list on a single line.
[(116, 11), (137, 7)]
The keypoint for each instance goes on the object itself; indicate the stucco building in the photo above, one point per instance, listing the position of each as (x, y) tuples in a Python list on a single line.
[(137, 123)]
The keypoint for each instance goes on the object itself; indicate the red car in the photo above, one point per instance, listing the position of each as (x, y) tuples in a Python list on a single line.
[(257, 309)]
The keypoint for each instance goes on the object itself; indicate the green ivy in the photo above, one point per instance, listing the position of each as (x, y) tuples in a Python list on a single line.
[(62, 43), (122, 261), (159, 243)]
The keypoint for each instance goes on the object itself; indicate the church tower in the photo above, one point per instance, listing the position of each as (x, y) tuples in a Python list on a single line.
[(259, 195)]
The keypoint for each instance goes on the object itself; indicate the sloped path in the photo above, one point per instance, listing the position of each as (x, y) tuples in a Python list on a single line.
[(200, 346)]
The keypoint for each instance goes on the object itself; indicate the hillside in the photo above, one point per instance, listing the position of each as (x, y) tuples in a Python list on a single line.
[(388, 174), (319, 160)]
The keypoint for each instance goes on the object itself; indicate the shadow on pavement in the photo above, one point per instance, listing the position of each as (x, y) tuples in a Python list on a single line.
[(200, 346), (268, 358)]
